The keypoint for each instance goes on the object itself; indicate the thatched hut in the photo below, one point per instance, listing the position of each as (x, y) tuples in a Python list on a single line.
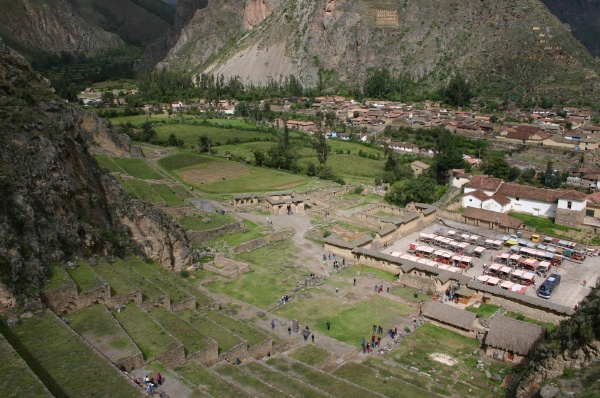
[(512, 340), (451, 317)]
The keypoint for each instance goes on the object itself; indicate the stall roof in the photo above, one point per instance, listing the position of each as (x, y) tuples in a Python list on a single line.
[(493, 280), (495, 267), (506, 270), (503, 255)]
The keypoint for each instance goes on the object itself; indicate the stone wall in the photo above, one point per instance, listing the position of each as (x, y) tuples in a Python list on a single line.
[(61, 299), (207, 357), (570, 218), (135, 297), (226, 266), (261, 242), (172, 357), (530, 311), (418, 282), (239, 351), (163, 301), (187, 304), (261, 349), (95, 296), (285, 345), (197, 237), (134, 362)]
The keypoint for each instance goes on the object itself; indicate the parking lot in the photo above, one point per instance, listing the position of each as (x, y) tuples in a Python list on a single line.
[(573, 274)]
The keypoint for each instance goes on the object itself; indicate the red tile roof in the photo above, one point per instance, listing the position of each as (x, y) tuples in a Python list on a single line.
[(485, 182), (478, 194), (500, 199), (493, 217)]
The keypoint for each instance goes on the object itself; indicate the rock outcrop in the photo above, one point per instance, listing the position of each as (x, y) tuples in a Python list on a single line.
[(56, 201)]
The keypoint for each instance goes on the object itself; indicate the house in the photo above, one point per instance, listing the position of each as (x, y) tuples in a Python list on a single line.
[(458, 178), (486, 184), (280, 202), (512, 340), (419, 167), (451, 317), (492, 220)]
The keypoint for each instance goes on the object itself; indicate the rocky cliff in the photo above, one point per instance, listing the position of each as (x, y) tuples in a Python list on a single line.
[(574, 344), (491, 42), (56, 201)]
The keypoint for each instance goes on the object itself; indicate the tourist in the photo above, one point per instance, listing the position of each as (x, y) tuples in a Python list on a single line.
[(378, 341), (328, 324), (380, 329), (354, 281), (289, 331), (363, 343), (373, 338), (368, 348), (312, 338), (272, 323), (375, 288), (159, 378), (149, 389)]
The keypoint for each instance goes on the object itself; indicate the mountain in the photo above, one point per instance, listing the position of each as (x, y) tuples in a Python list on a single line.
[(582, 17), (512, 46), (36, 27), (56, 201)]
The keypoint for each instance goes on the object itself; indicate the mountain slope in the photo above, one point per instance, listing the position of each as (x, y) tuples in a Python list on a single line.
[(56, 201), (492, 42), (583, 17)]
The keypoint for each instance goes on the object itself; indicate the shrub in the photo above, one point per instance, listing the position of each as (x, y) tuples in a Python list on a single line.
[(359, 190), (326, 233)]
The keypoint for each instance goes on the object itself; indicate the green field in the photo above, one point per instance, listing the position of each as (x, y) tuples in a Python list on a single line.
[(85, 277), (189, 336), (171, 198), (287, 384), (224, 338), (350, 165), (251, 335), (100, 329), (269, 281), (310, 354), (206, 380), (142, 190), (195, 223), (58, 277), (252, 384), (190, 134), (60, 359), (152, 339), (107, 163), (17, 379), (182, 161), (138, 168), (350, 322)]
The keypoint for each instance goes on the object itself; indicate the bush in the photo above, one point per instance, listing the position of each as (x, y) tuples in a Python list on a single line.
[(407, 329), (326, 233), (184, 273), (430, 292), (359, 190)]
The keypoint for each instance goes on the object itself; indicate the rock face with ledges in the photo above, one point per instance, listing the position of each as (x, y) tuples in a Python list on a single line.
[(56, 201)]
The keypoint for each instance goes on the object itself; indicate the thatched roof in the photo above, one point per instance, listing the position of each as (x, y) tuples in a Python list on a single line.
[(512, 335), (336, 241), (450, 315)]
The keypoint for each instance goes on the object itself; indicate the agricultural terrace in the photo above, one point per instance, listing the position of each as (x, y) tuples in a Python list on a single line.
[(225, 177), (190, 134)]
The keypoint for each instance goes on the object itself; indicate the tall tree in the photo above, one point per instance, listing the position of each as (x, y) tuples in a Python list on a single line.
[(322, 148), (459, 91)]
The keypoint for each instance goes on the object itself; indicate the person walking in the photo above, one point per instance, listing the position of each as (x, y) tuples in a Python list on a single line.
[(312, 338), (272, 323), (354, 281), (289, 331), (328, 324)]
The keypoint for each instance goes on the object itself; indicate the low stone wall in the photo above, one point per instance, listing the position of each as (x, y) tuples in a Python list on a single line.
[(173, 357), (539, 314), (61, 299), (226, 266), (135, 297), (261, 242), (418, 282), (163, 301), (239, 351), (187, 304), (96, 296), (134, 362), (207, 357), (197, 237), (261, 349), (285, 345)]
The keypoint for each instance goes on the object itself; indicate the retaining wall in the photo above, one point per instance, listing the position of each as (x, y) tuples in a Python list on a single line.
[(239, 351), (187, 304), (61, 299), (207, 357), (196, 237), (173, 357), (261, 242), (261, 349)]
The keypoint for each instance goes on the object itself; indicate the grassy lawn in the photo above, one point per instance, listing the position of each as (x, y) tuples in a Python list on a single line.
[(246, 150), (219, 136), (182, 160), (409, 294), (206, 380), (350, 322), (320, 380), (224, 339), (60, 360), (138, 168), (107, 163), (85, 277), (429, 339), (17, 379), (182, 191), (168, 282), (374, 381), (484, 310), (112, 275), (141, 189), (99, 328), (288, 385), (350, 165), (379, 274), (168, 195), (250, 383), (190, 337), (231, 122), (268, 281), (195, 223), (239, 328), (152, 340), (310, 354), (541, 224), (228, 177), (58, 276), (252, 231)]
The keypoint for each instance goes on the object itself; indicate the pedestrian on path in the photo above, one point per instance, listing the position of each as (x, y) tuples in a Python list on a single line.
[(272, 323), (313, 338), (289, 331), (354, 281)]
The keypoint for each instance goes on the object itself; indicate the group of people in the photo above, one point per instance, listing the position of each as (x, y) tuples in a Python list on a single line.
[(367, 346), (148, 383), (378, 288), (285, 299)]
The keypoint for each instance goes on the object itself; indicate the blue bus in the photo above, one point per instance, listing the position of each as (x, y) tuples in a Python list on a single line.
[(549, 286)]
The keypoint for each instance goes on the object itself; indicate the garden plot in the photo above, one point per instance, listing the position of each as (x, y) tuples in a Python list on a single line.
[(100, 329), (138, 168), (225, 339), (64, 363), (206, 380), (239, 328), (190, 337), (85, 277), (253, 385)]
